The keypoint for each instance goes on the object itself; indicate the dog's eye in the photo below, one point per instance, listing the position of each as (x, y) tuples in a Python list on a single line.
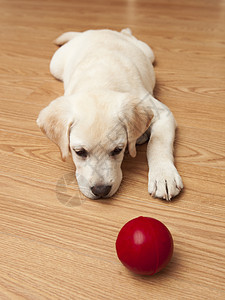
[(116, 151), (81, 153)]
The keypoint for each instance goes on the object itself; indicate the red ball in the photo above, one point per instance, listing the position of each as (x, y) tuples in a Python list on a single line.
[(144, 245)]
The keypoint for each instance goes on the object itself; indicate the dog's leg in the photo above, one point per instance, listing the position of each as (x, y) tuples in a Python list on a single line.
[(164, 180), (58, 60)]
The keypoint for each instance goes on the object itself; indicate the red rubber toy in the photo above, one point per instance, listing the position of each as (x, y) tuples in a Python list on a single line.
[(144, 245)]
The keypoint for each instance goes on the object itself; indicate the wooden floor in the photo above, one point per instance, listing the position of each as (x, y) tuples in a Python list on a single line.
[(55, 243)]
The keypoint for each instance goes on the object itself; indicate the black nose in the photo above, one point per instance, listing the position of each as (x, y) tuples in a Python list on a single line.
[(101, 190)]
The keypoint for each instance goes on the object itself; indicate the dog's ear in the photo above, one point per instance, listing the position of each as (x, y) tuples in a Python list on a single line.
[(55, 121), (137, 116)]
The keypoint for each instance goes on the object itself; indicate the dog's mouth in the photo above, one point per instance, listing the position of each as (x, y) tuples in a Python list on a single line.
[(99, 190)]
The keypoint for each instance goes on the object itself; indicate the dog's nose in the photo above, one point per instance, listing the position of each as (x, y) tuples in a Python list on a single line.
[(101, 190)]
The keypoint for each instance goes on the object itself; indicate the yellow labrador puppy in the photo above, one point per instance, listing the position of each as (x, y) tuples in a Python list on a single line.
[(108, 105)]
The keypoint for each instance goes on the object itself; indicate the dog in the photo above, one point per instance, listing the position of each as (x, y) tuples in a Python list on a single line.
[(108, 106)]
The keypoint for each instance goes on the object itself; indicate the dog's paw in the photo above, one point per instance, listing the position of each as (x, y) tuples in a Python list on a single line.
[(164, 180)]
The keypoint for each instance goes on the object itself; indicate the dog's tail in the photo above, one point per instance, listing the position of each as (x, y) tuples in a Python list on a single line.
[(126, 31), (65, 37)]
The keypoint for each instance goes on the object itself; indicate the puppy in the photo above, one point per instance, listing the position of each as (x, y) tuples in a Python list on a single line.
[(108, 105)]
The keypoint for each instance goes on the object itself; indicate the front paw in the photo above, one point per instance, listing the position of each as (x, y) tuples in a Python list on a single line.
[(164, 180)]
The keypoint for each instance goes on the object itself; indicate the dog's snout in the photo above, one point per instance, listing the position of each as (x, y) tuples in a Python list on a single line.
[(101, 190)]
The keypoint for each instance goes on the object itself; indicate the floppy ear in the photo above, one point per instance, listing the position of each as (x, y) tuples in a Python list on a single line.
[(136, 118), (55, 121)]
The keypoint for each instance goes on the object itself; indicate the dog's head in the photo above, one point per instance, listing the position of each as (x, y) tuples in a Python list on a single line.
[(96, 128)]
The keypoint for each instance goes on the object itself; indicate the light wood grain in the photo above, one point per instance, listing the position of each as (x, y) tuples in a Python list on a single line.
[(57, 244)]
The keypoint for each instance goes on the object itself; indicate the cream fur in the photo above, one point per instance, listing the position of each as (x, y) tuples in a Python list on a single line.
[(108, 103)]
